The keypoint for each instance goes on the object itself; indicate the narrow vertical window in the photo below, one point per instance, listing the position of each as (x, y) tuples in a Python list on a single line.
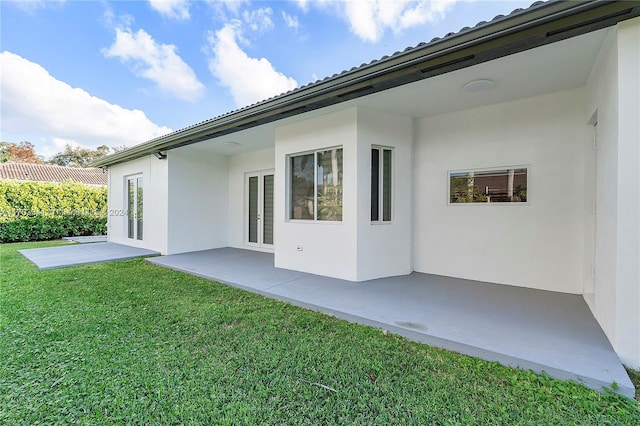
[(375, 184), (131, 211), (381, 184), (386, 186), (267, 223), (253, 209), (135, 202), (329, 184), (139, 205), (302, 187)]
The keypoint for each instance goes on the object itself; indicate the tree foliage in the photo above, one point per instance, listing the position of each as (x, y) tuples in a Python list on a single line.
[(80, 156), (23, 152), (4, 152)]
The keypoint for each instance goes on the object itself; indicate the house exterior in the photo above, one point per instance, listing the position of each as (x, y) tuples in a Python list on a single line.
[(52, 173), (506, 153)]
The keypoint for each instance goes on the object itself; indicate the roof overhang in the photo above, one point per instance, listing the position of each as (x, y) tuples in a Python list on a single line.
[(539, 25)]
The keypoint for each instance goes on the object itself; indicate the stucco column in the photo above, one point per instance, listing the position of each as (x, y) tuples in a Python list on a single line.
[(628, 231)]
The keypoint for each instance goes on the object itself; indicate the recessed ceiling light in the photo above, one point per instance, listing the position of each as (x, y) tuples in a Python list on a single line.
[(479, 85), (231, 144)]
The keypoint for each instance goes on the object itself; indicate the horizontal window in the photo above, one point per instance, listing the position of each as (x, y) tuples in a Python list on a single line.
[(315, 185), (488, 186)]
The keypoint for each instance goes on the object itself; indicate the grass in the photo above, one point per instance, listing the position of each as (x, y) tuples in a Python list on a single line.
[(634, 375), (132, 343)]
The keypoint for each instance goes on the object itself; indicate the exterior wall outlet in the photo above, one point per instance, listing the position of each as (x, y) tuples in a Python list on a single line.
[(298, 248)]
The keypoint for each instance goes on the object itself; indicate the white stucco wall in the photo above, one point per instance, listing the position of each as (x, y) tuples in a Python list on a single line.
[(198, 200), (627, 317), (538, 244), (602, 101), (613, 95), (327, 248), (255, 161), (154, 173), (385, 249)]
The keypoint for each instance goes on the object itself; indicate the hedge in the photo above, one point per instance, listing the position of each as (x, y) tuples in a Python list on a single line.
[(31, 211)]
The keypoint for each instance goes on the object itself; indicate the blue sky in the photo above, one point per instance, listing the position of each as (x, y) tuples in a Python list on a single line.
[(122, 72)]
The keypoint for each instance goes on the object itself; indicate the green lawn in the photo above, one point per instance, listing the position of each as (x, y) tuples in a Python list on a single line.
[(130, 342)]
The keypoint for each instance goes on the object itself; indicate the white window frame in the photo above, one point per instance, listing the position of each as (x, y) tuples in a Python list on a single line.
[(490, 169), (315, 152), (380, 220), (260, 175), (127, 179)]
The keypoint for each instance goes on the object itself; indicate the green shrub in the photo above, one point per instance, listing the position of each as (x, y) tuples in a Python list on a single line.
[(31, 211)]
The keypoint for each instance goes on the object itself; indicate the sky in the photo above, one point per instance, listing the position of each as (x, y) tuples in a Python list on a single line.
[(119, 73)]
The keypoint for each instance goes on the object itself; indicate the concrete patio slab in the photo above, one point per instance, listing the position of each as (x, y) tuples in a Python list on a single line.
[(87, 239), (529, 329), (79, 254)]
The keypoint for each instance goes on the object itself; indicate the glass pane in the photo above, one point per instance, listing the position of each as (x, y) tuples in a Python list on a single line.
[(253, 209), (386, 186), (131, 211), (139, 213), (329, 184), (301, 202), (375, 183), (267, 214), (488, 186)]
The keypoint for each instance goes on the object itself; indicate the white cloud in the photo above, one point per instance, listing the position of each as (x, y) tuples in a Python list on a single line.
[(369, 19), (35, 102), (221, 7), (58, 145), (303, 4), (249, 79), (259, 20), (291, 20), (157, 62), (175, 9), (32, 6)]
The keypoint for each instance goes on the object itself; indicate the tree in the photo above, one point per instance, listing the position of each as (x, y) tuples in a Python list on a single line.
[(24, 152), (4, 152), (79, 156)]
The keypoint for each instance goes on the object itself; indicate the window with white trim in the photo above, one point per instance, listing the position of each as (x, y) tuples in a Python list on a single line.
[(315, 185), (503, 185), (381, 183)]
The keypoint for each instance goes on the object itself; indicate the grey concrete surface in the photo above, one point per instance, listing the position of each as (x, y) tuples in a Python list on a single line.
[(87, 239), (524, 328), (78, 254)]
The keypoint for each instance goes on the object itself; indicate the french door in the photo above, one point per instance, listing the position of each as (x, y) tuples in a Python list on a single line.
[(259, 209), (134, 207)]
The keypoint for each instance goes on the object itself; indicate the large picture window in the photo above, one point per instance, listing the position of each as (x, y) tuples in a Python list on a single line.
[(381, 163), (315, 186), (508, 185)]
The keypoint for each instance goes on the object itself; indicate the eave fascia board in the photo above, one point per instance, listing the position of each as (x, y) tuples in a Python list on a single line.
[(541, 24)]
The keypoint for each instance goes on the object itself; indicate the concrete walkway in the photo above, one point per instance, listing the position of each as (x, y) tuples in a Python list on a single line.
[(79, 254), (529, 329)]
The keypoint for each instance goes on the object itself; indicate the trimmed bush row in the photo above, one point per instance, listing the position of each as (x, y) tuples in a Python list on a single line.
[(32, 211)]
